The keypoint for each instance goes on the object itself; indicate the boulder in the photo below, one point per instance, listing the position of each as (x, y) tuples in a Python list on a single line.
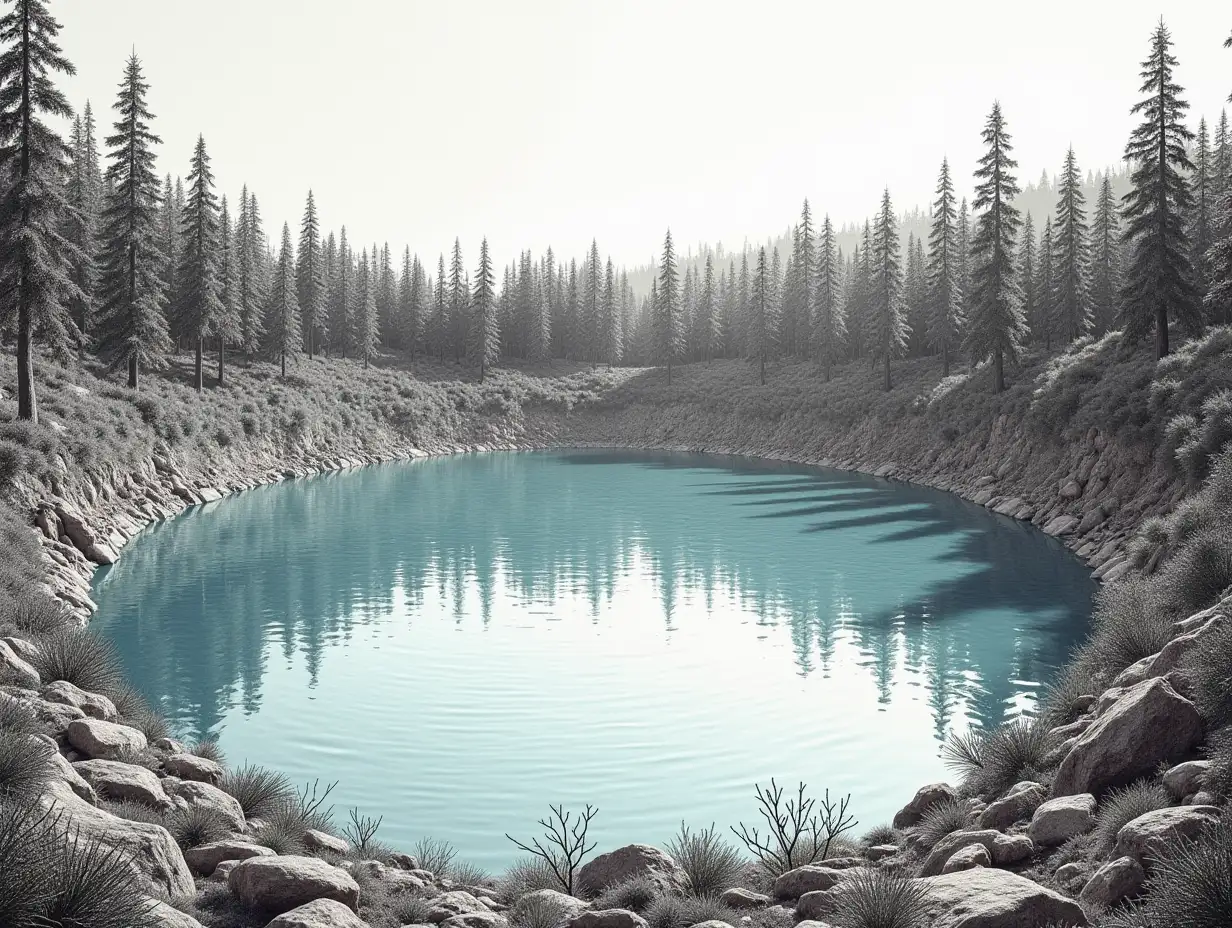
[(278, 884), (1004, 850), (397, 880), (1058, 820), (1072, 877), (320, 913), (222, 873), (316, 840), (633, 860), (1114, 882), (881, 851), (815, 905), (192, 767), (1021, 800), (739, 898), (53, 717), (166, 916), (986, 898), (570, 905), (1148, 725), (714, 923), (1186, 779), (119, 781), (93, 705), (476, 920), (16, 671), (186, 793), (807, 879), (924, 799), (1147, 835), (971, 856), (149, 849), (607, 918), (404, 861), (101, 740), (74, 780), (1175, 651), (454, 902), (205, 858)]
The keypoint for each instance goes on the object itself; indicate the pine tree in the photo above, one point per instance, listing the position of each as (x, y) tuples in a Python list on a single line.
[(387, 300), (485, 332), (36, 260), (439, 328), (459, 297), (1046, 287), (251, 273), (963, 255), (1201, 231), (1028, 268), (1106, 279), (592, 295), (310, 277), (1159, 285), (761, 316), (84, 195), (366, 324), (342, 298), (198, 304), (667, 309), (284, 332), (744, 296), (132, 327), (609, 336), (227, 327), (913, 297), (1071, 298), (1222, 159), (169, 246), (803, 283), (411, 300), (889, 322), (829, 324), (707, 313), (995, 326), (1218, 299), (945, 298)]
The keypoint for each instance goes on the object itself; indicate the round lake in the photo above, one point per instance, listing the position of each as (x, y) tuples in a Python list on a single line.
[(460, 641)]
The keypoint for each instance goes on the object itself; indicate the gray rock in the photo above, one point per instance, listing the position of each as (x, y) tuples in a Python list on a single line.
[(1114, 882), (1147, 835), (739, 898), (924, 799), (320, 841), (75, 781), (1148, 725), (15, 670), (101, 740), (320, 913), (607, 918), (93, 705), (405, 861), (192, 767), (633, 860), (570, 905), (397, 880), (881, 851), (166, 916), (454, 902), (987, 898), (190, 793), (475, 920), (1072, 877), (205, 858), (807, 879), (1186, 779), (1004, 850), (973, 855), (119, 781), (712, 923), (1058, 820), (278, 884), (815, 905), (1021, 800), (222, 872)]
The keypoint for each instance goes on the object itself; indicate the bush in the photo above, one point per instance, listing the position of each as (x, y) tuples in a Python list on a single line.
[(1201, 571), (134, 811), (801, 830), (710, 864), (217, 907), (25, 765), (1122, 806), (18, 718), (33, 615), (1191, 884), (525, 876), (942, 818), (259, 792), (148, 722), (208, 748), (878, 898), (469, 874), (538, 912), (670, 911), (1218, 779), (636, 895), (97, 888), (12, 462), (1209, 669), (992, 762), (1133, 619), (434, 855), (81, 658), (25, 864), (196, 825), (881, 834)]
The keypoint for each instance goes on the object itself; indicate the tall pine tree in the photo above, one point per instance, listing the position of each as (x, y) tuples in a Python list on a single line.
[(889, 320), (945, 305), (85, 197), (198, 304), (762, 325), (365, 333), (829, 322), (485, 331), (283, 330), (1106, 279), (1071, 298), (227, 327), (667, 308), (310, 277)]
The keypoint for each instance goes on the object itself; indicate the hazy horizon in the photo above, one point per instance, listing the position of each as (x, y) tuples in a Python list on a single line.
[(551, 123)]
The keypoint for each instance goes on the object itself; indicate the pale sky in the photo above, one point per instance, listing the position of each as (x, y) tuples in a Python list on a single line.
[(547, 122)]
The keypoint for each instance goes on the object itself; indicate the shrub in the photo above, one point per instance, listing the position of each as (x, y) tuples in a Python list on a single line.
[(525, 876), (12, 461), (435, 855), (538, 912), (1201, 571), (208, 748), (469, 874), (1218, 779), (148, 722), (134, 811), (881, 834), (671, 911), (564, 842), (1133, 619), (80, 658), (800, 831), (942, 818), (710, 864), (282, 832), (217, 907), (1122, 806), (25, 764), (636, 895), (992, 762), (1191, 883), (1209, 669), (878, 898), (128, 702), (258, 791), (25, 863), (34, 615), (96, 887), (18, 718), (196, 825)]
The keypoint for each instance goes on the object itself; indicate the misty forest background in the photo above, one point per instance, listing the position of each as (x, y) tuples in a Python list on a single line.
[(108, 258)]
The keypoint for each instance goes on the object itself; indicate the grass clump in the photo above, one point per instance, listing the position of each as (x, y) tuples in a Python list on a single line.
[(97, 888), (1121, 806), (25, 765), (1209, 669), (671, 911), (636, 895), (1199, 573), (134, 811), (196, 825), (18, 718), (33, 615), (259, 791), (991, 762), (1191, 882), (878, 898), (942, 818), (208, 749), (80, 658), (881, 834), (525, 875), (710, 864), (538, 912), (435, 855), (1218, 778), (470, 874)]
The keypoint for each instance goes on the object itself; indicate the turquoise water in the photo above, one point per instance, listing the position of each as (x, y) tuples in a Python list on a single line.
[(461, 641)]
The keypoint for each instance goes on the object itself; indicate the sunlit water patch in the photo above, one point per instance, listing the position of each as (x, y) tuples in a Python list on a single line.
[(461, 641)]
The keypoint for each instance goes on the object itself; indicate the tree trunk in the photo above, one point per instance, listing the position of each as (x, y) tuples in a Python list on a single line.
[(310, 334), (1161, 331), (945, 360), (887, 372), (998, 371), (132, 373), (669, 372), (27, 403), (284, 364), (222, 348), (763, 370), (199, 374)]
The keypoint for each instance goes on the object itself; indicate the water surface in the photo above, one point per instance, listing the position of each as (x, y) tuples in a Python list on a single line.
[(461, 641)]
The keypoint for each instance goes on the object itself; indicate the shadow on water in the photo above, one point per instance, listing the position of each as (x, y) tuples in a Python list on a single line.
[(981, 607)]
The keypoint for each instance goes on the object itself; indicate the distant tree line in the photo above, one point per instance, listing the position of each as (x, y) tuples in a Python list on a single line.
[(99, 254)]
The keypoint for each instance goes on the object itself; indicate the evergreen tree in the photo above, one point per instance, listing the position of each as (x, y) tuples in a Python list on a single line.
[(366, 324), (198, 304), (889, 321), (440, 312), (963, 255), (251, 273), (1159, 285), (169, 246), (310, 277), (283, 328), (1071, 298), (1201, 231), (1028, 267), (945, 299), (84, 194), (829, 324), (707, 336), (803, 284), (227, 326), (761, 321), (667, 309), (995, 326), (744, 296), (411, 298), (387, 300), (1106, 280), (132, 327), (1046, 287), (913, 297), (1222, 158), (342, 298), (36, 260), (609, 334), (485, 334), (459, 297), (1218, 299)]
